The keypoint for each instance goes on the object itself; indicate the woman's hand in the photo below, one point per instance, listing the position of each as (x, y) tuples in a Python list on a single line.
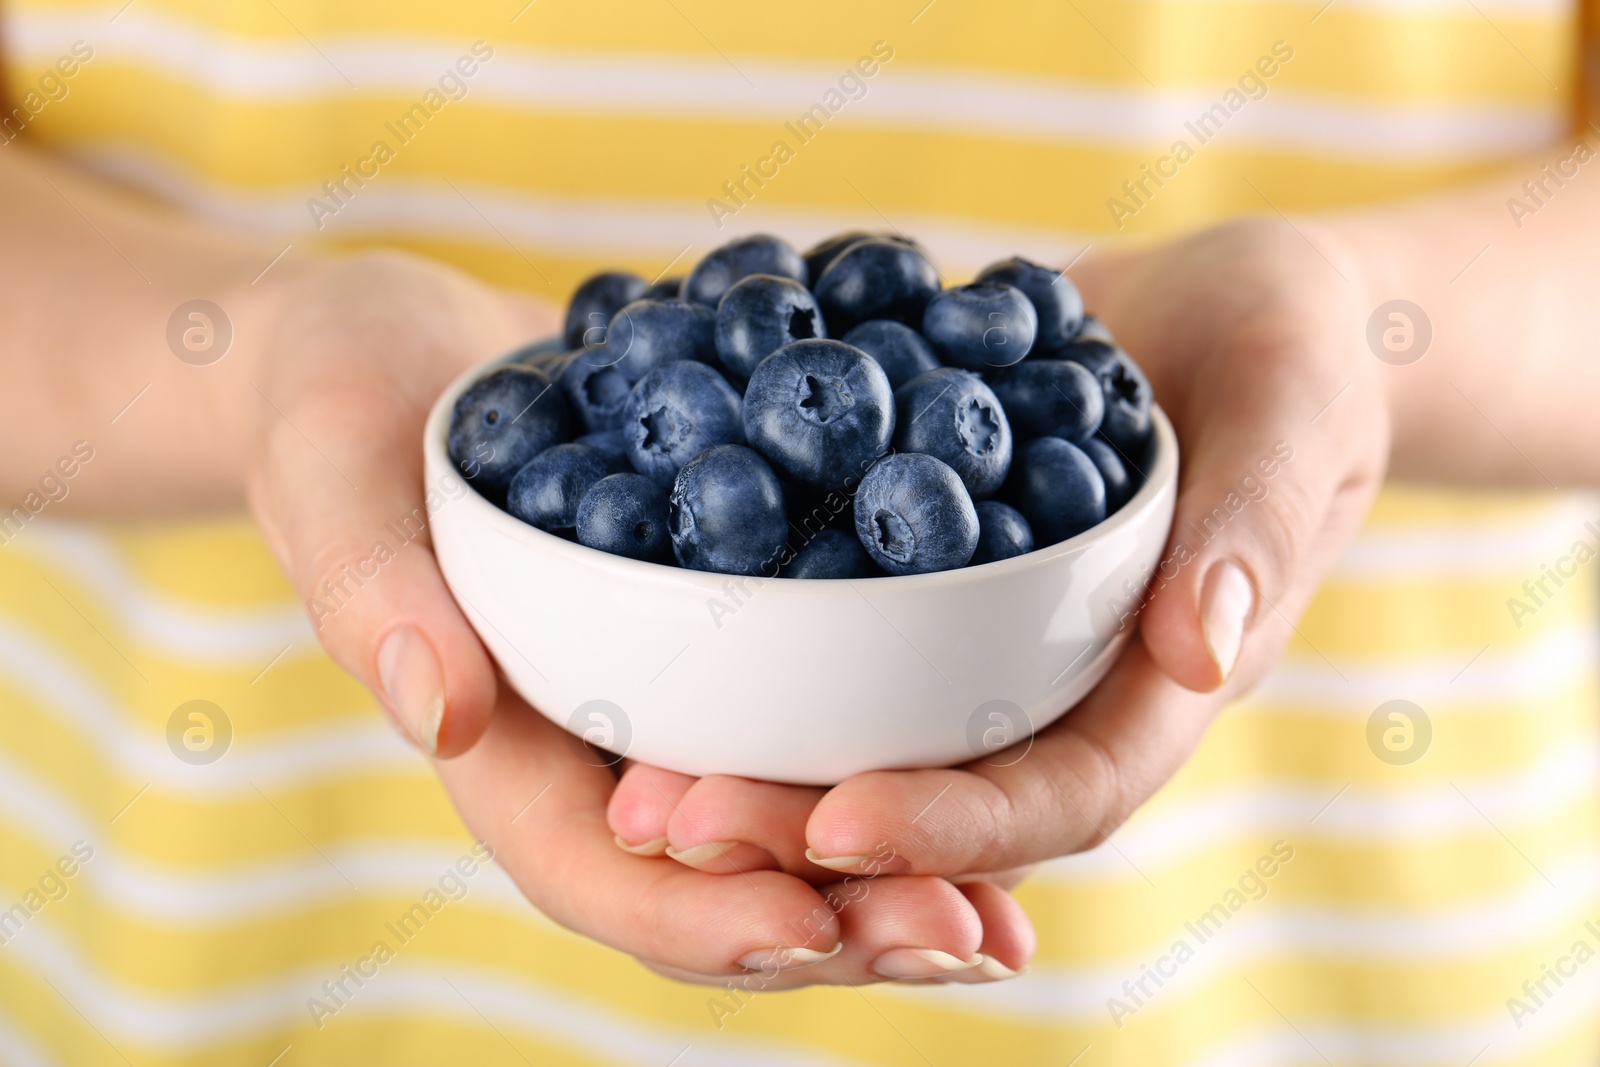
[(1253, 341), (359, 350)]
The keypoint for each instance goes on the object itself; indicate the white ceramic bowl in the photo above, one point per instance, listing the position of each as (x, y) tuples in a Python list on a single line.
[(803, 681)]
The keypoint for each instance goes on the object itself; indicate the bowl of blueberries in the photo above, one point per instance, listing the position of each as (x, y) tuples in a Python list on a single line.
[(796, 516)]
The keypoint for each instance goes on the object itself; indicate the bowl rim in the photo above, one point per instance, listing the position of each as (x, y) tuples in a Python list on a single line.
[(1163, 474)]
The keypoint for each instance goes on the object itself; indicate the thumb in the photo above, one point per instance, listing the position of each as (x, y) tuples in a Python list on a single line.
[(1266, 498), (344, 511), (336, 482), (1274, 477)]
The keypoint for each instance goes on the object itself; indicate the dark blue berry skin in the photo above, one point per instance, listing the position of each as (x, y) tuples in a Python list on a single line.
[(1050, 398), (757, 254), (548, 355), (1096, 356), (899, 350), (1119, 483), (546, 491), (760, 314), (666, 289), (821, 254), (1002, 533), (1054, 298), (612, 442), (626, 515), (951, 415), (596, 391), (820, 411), (832, 554), (648, 333), (597, 299), (913, 515), (981, 326), (1094, 331), (1126, 423), (503, 421), (725, 513), (676, 411), (876, 279), (1057, 488), (813, 510)]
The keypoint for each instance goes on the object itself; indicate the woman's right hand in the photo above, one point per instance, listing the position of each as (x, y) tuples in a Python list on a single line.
[(359, 349)]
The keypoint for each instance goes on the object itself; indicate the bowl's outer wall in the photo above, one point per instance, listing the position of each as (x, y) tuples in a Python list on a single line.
[(794, 681)]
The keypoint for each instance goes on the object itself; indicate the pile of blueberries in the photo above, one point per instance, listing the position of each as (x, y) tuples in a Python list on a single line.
[(836, 414)]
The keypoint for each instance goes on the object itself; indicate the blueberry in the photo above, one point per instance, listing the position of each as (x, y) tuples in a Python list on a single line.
[(1126, 423), (1090, 351), (1095, 330), (666, 289), (758, 315), (1119, 483), (546, 491), (952, 415), (832, 554), (981, 326), (1002, 533), (647, 333), (1053, 297), (501, 422), (1057, 488), (899, 350), (675, 411), (596, 391), (611, 442), (597, 299), (547, 354), (725, 513), (876, 279), (819, 255), (820, 411), (812, 510), (757, 254), (1050, 398), (626, 515), (825, 252), (913, 515)]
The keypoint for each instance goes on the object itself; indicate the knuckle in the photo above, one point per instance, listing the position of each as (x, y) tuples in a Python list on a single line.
[(1091, 793), (1287, 530)]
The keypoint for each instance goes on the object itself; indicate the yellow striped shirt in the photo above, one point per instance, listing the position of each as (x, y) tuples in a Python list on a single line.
[(1298, 894)]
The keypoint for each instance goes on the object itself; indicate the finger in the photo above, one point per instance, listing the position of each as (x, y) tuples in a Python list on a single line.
[(543, 811), (338, 490), (641, 806), (362, 561), (912, 930), (1275, 475), (1079, 780), (900, 928), (1251, 523), (892, 929), (1006, 880), (1009, 941), (723, 824)]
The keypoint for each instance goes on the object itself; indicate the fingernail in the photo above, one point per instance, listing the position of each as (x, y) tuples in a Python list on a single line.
[(1225, 608), (836, 863), (413, 684), (988, 969), (786, 959), (701, 853), (654, 847), (922, 963)]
